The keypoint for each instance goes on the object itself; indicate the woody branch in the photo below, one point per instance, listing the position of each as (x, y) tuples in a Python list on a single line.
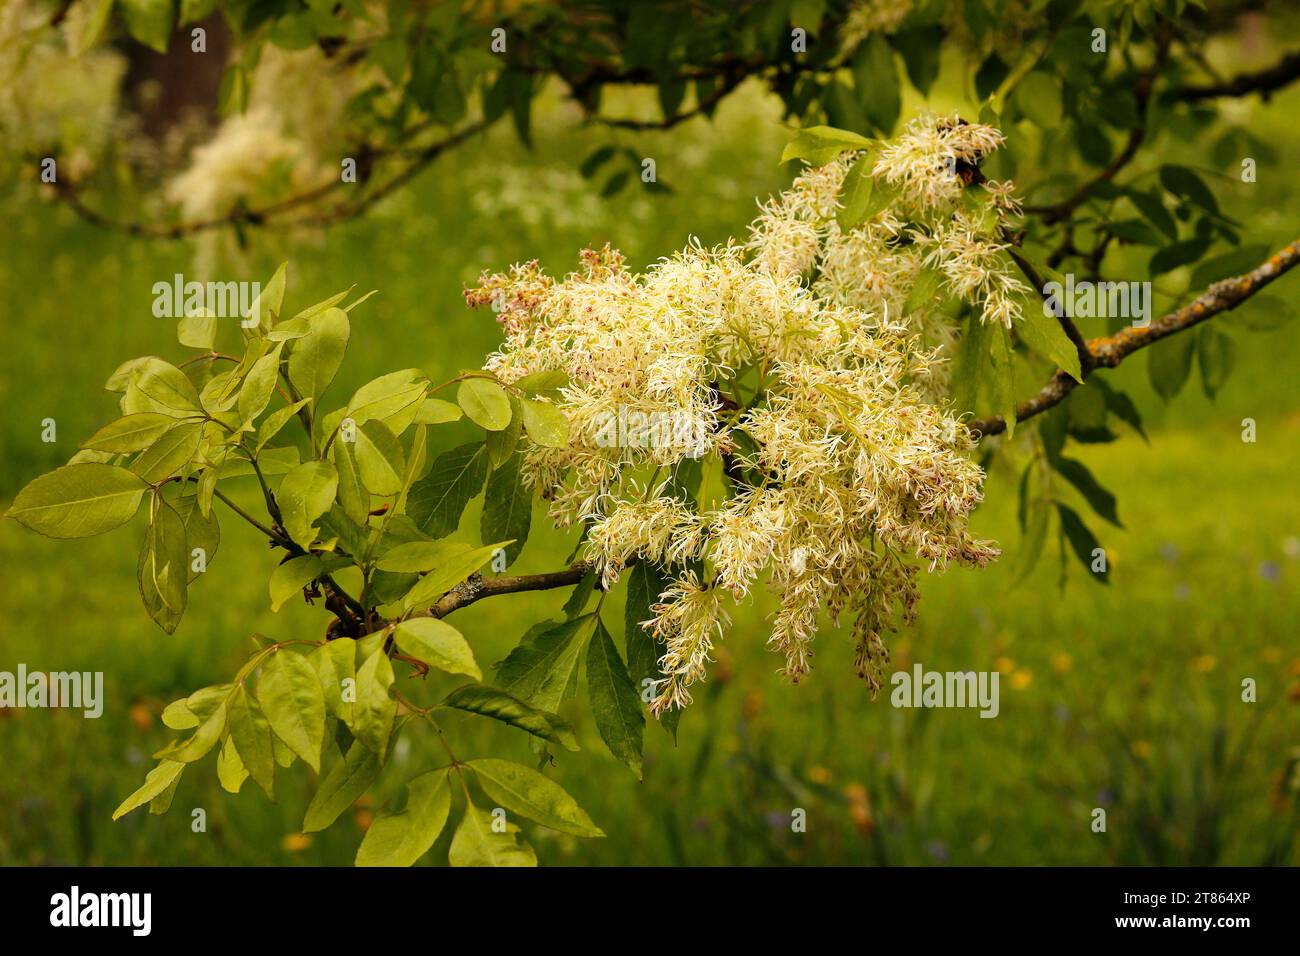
[(1109, 351)]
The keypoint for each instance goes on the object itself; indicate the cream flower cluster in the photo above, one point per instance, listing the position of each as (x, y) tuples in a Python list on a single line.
[(833, 470)]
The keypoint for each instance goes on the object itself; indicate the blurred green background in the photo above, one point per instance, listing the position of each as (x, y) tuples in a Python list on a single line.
[(1124, 697)]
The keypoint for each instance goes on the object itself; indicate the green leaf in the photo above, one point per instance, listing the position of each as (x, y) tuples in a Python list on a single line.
[(395, 399), (928, 281), (1101, 500), (164, 387), (251, 732), (485, 403), (438, 644), (130, 433), (306, 493), (1261, 313), (163, 802), (149, 21), (1082, 541), (1121, 406), (1169, 363), (204, 738), (197, 331), (490, 702), (178, 716), (346, 781), (77, 501), (1176, 254), (1230, 264), (1184, 183), (876, 78), (437, 500), (266, 307), (203, 703), (1153, 208), (1001, 380), (92, 30), (1216, 354), (616, 183), (316, 357), (615, 704), (335, 663), (818, 145), (1034, 538), (120, 380), (399, 839), (507, 508), (536, 797), (289, 578), (291, 697), (170, 453), (478, 843), (375, 708), (163, 569), (443, 578), (231, 772), (436, 411), (1133, 230), (158, 779), (548, 384), (201, 531), (546, 424), (273, 461), (595, 159), (501, 445), (273, 423), (855, 193), (415, 462), (352, 495), (968, 366), (259, 386), (539, 669), (1043, 334), (380, 460), (416, 557), (646, 582)]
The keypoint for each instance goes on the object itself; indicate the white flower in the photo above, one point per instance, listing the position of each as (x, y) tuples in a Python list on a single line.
[(832, 457)]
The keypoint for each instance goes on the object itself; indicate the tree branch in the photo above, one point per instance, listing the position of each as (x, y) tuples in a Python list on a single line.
[(1142, 93), (668, 122), (1263, 82), (1109, 351), (276, 212), (348, 602), (475, 588)]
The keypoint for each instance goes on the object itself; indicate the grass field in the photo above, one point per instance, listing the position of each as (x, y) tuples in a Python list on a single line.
[(1126, 697)]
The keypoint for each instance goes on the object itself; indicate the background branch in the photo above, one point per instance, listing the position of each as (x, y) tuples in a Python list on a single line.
[(1263, 82), (275, 212)]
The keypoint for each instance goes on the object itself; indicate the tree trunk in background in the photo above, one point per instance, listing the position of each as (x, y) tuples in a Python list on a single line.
[(164, 88)]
